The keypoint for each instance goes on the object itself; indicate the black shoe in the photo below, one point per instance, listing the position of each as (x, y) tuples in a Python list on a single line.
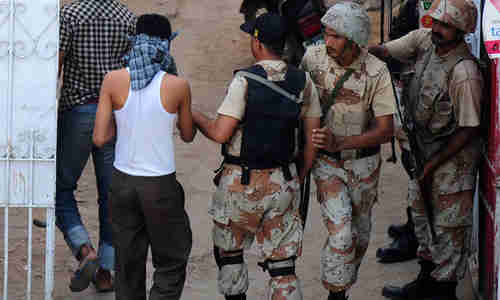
[(337, 296), (422, 287), (396, 231), (401, 249)]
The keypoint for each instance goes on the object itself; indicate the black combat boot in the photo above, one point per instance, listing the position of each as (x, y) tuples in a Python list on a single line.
[(396, 231), (236, 297), (422, 287), (337, 296), (403, 247), (444, 291)]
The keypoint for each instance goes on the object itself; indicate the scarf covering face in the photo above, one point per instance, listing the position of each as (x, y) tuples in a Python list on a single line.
[(148, 56)]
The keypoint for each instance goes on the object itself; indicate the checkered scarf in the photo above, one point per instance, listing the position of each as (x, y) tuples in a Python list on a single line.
[(148, 56)]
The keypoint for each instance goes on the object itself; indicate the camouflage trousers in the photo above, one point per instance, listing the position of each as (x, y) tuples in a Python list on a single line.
[(347, 191), (266, 211), (453, 226)]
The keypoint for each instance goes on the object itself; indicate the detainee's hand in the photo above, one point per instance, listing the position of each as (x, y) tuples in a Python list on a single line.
[(323, 138)]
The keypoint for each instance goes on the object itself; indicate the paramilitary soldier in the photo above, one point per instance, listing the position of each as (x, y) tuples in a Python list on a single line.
[(258, 193), (443, 115), (358, 102)]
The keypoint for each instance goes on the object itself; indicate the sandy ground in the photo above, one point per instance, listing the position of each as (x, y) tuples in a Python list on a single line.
[(210, 46)]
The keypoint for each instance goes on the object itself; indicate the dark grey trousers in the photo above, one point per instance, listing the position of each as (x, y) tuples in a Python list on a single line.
[(149, 211)]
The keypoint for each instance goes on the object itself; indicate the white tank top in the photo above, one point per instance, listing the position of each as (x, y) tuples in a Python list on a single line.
[(145, 142)]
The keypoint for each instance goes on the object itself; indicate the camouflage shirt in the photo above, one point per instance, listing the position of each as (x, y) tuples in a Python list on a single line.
[(367, 94), (465, 86)]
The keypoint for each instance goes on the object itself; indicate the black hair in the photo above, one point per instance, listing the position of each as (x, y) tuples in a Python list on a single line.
[(154, 25), (276, 48)]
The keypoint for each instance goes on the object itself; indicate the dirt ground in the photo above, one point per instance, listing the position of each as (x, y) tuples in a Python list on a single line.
[(210, 46)]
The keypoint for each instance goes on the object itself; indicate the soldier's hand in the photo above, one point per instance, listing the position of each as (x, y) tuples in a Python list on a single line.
[(323, 138)]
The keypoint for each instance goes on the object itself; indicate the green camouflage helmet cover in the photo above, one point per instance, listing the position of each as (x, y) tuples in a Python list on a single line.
[(349, 19), (461, 14)]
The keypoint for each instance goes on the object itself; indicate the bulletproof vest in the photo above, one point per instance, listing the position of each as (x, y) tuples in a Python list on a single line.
[(269, 123), (430, 111)]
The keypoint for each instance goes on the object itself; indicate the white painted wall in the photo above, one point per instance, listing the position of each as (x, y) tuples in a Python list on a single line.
[(28, 121), (28, 60)]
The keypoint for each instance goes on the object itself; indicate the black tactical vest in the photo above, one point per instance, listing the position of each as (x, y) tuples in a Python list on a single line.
[(269, 124)]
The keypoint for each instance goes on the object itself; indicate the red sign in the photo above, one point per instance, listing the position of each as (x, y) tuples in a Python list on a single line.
[(426, 21), (491, 28), (492, 47)]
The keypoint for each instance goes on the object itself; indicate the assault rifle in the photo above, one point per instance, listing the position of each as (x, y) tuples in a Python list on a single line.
[(417, 160), (425, 185)]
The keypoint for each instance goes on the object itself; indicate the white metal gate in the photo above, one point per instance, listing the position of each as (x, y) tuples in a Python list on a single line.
[(28, 126)]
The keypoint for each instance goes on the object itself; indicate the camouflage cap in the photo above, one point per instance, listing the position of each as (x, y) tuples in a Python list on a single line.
[(350, 20), (461, 14)]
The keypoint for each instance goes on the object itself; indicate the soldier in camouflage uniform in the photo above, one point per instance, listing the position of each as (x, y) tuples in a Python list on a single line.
[(260, 204), (357, 99), (444, 108)]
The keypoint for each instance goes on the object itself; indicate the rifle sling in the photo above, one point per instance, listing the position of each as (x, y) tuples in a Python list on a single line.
[(340, 83)]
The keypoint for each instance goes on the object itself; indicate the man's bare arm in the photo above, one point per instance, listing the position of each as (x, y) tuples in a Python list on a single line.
[(456, 143), (185, 123), (219, 130), (104, 128), (380, 134), (310, 124)]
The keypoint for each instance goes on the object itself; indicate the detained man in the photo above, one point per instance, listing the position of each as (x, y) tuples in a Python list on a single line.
[(141, 105)]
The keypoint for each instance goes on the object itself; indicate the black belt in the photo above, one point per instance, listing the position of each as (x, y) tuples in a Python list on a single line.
[(246, 167), (360, 153)]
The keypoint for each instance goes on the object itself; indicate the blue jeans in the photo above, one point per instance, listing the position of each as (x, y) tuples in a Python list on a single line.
[(74, 146)]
